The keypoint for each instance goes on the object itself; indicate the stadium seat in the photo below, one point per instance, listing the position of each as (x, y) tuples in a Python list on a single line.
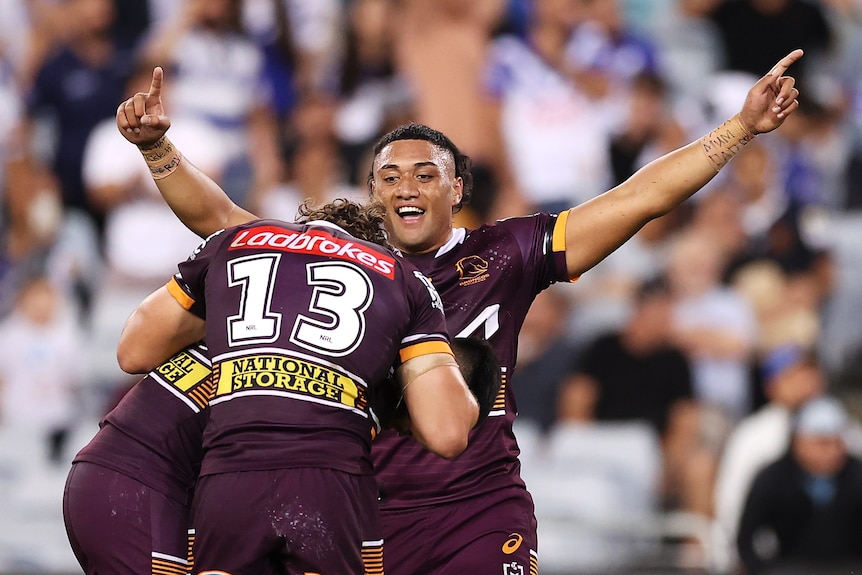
[(595, 490)]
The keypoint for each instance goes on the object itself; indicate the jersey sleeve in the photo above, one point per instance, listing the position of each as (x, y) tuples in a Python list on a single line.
[(187, 286), (541, 239), (427, 330)]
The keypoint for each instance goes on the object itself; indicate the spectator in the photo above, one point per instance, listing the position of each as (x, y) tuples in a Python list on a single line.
[(791, 377), (11, 112), (720, 214), (269, 24), (785, 314), (603, 298), (544, 117), (36, 238), (31, 214), (689, 50), (639, 374), (441, 48), (803, 513), (544, 355), (312, 167), (79, 85), (372, 94), (210, 52), (606, 54), (754, 182), (42, 367), (755, 32), (650, 129), (441, 52), (714, 325), (30, 30)]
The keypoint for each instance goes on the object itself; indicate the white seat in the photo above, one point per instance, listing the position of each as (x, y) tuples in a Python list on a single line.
[(627, 454), (595, 486)]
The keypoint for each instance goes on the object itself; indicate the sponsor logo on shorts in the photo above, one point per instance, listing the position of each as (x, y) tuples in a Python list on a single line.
[(296, 378), (513, 568), (472, 270), (513, 543), (314, 242)]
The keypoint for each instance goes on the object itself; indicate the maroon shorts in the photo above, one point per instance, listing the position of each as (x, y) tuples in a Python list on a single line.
[(491, 534), (287, 521), (118, 526)]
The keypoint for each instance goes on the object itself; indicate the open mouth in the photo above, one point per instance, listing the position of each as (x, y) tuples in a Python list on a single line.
[(409, 212)]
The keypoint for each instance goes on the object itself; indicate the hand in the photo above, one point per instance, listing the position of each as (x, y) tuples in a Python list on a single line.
[(142, 119), (772, 98)]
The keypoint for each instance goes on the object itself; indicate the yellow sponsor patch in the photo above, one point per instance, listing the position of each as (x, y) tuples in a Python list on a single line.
[(280, 373), (183, 371)]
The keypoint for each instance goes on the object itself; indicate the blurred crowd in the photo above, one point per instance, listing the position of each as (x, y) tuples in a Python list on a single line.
[(709, 329)]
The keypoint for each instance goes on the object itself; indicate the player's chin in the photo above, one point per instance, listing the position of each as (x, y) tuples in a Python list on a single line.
[(410, 240)]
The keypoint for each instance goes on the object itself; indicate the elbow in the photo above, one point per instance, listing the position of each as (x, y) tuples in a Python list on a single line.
[(449, 445), (131, 361)]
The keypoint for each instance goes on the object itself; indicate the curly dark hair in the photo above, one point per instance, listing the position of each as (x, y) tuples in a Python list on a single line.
[(463, 163), (363, 221)]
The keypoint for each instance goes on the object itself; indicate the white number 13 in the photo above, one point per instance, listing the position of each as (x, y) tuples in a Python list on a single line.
[(341, 292)]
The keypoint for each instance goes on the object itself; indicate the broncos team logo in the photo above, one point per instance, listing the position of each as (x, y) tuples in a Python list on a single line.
[(471, 270)]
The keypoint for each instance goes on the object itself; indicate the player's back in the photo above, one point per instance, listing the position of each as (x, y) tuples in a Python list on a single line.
[(302, 319), (154, 433)]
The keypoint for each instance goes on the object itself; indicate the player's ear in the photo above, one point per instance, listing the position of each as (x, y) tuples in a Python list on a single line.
[(458, 191), (369, 183)]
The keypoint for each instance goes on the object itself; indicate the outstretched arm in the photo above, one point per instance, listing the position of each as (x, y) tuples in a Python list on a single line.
[(598, 227), (195, 198)]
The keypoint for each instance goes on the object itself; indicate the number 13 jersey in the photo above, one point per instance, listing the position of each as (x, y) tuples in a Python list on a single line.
[(302, 321)]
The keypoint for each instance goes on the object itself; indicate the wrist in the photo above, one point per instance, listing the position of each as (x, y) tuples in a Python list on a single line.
[(724, 142), (162, 158)]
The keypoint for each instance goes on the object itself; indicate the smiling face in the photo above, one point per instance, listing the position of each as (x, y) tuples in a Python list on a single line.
[(415, 180)]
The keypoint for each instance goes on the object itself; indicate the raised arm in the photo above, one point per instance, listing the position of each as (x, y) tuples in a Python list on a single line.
[(193, 196), (598, 227)]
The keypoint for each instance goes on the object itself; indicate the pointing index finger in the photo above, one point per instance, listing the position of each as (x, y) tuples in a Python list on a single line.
[(156, 84), (783, 64)]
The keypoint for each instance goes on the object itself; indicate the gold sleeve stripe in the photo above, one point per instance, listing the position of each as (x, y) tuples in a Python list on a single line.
[(182, 297), (425, 348), (558, 242)]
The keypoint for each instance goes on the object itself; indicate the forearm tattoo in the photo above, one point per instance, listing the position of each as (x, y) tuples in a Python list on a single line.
[(724, 142), (162, 158)]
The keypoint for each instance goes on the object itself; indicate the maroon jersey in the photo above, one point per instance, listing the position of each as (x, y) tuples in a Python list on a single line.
[(154, 433), (487, 279), (301, 320)]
